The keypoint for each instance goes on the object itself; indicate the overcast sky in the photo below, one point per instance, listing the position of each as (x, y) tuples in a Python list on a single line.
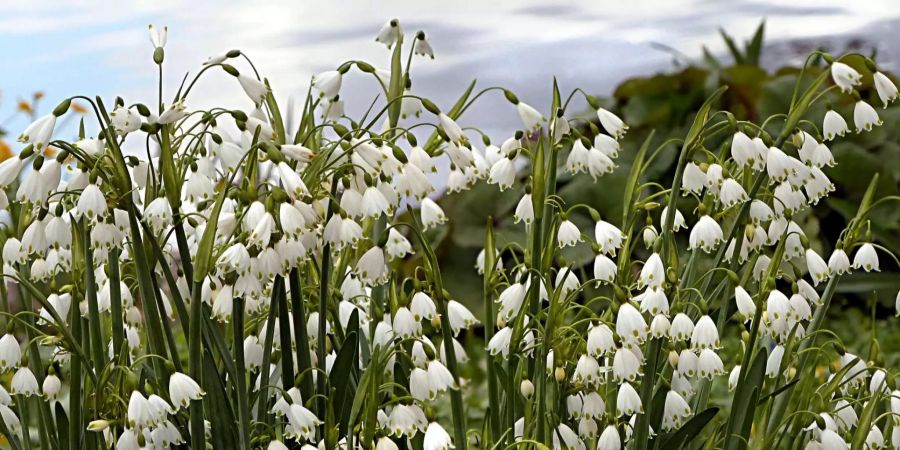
[(87, 47)]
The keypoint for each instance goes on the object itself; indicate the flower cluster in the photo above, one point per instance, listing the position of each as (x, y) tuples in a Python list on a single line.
[(225, 278)]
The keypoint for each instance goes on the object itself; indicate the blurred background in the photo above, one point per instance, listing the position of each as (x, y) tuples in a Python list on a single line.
[(653, 61)]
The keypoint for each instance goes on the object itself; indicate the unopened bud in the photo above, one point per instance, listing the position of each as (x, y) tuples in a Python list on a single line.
[(559, 374), (98, 425), (230, 69), (673, 359), (159, 55), (62, 107), (527, 389)]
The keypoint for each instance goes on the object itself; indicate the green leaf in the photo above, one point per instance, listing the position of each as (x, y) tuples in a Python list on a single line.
[(744, 403), (341, 374), (634, 177), (754, 47), (690, 429), (62, 426)]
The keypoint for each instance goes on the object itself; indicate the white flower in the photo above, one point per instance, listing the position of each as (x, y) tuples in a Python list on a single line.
[(607, 145), (24, 383), (568, 234), (709, 364), (91, 203), (10, 351), (460, 316), (874, 439), (865, 117), (530, 117), (598, 163), (818, 270), (524, 210), (705, 334), (653, 273), (158, 36), (255, 89), (422, 47), (778, 311), (503, 173), (600, 340), (124, 120), (743, 150), (301, 422), (413, 182), (678, 221), (397, 245), (593, 406), (886, 88), (608, 237), (578, 158), (328, 83), (839, 263), (832, 441), (140, 412), (609, 439), (511, 301), (183, 389), (630, 324), (51, 386), (654, 301), (587, 371), (39, 132), (675, 411), (834, 125), (694, 179), (866, 258), (706, 234), (253, 351), (732, 193), (384, 443), (734, 377), (687, 362), (773, 363), (682, 328), (172, 114), (746, 306), (436, 438), (714, 178), (388, 35), (405, 323), (660, 326), (278, 445), (626, 365), (845, 76), (451, 128), (628, 402), (341, 232), (499, 343), (9, 170), (432, 214), (612, 123), (604, 269)]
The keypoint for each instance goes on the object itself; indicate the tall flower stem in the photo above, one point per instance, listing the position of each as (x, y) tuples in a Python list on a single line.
[(241, 382)]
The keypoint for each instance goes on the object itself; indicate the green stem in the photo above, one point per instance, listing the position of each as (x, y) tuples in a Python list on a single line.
[(298, 315), (91, 296), (195, 358), (115, 304), (241, 380)]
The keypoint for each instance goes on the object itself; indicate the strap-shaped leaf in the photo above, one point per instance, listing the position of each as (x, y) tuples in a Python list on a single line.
[(690, 429)]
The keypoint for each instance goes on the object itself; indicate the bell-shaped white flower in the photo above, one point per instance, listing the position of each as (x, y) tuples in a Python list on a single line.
[(255, 89), (865, 117), (436, 438), (839, 262), (604, 269), (460, 316), (524, 210), (675, 411), (609, 439), (328, 83), (432, 214), (568, 234), (630, 324), (845, 77), (628, 402), (653, 273), (887, 90), (706, 234), (24, 383), (600, 340), (694, 179), (818, 270), (834, 125), (682, 328), (608, 237), (10, 352), (612, 123), (626, 365), (183, 389), (39, 132), (866, 258), (503, 173), (746, 306)]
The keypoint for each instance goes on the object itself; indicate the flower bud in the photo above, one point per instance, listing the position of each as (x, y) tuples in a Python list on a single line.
[(511, 96), (527, 389), (560, 374), (430, 107), (98, 425), (673, 359), (230, 69), (159, 55), (62, 107)]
